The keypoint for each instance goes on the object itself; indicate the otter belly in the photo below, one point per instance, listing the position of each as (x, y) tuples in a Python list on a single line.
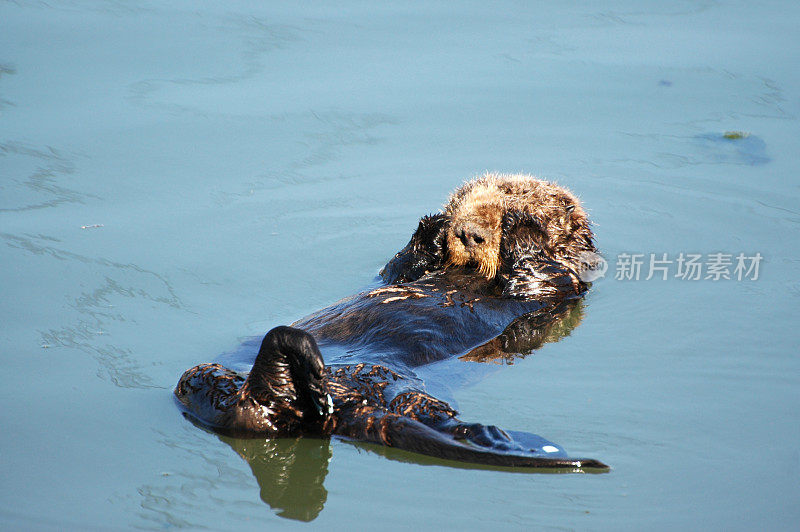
[(411, 324)]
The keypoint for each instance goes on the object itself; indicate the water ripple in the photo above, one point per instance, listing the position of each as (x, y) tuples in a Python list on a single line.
[(51, 167), (96, 310)]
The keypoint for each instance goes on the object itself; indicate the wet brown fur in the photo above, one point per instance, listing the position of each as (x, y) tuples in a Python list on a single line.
[(523, 236), (558, 226), (368, 403)]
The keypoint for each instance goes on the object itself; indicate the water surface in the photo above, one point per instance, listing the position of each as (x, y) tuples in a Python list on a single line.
[(174, 179)]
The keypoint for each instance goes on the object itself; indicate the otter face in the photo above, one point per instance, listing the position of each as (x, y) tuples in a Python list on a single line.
[(474, 233), (496, 219)]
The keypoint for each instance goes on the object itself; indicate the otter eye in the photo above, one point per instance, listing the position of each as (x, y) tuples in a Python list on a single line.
[(478, 239)]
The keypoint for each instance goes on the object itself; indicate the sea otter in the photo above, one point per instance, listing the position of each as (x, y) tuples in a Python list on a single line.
[(488, 276), (504, 247)]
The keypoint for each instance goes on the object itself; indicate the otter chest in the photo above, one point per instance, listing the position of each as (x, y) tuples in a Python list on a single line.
[(412, 324)]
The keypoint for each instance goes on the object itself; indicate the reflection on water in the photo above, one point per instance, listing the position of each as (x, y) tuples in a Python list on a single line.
[(290, 473), (529, 333)]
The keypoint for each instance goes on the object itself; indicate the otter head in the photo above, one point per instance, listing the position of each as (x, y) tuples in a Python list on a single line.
[(496, 219)]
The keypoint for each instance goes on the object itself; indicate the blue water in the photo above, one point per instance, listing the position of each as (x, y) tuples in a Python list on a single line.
[(177, 177)]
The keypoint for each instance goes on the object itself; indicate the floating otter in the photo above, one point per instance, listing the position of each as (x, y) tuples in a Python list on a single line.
[(486, 277), (506, 246)]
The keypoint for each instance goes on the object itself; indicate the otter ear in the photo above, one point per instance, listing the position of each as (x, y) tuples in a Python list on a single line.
[(521, 233)]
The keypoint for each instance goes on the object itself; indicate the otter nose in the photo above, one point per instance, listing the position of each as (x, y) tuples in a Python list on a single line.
[(469, 238)]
